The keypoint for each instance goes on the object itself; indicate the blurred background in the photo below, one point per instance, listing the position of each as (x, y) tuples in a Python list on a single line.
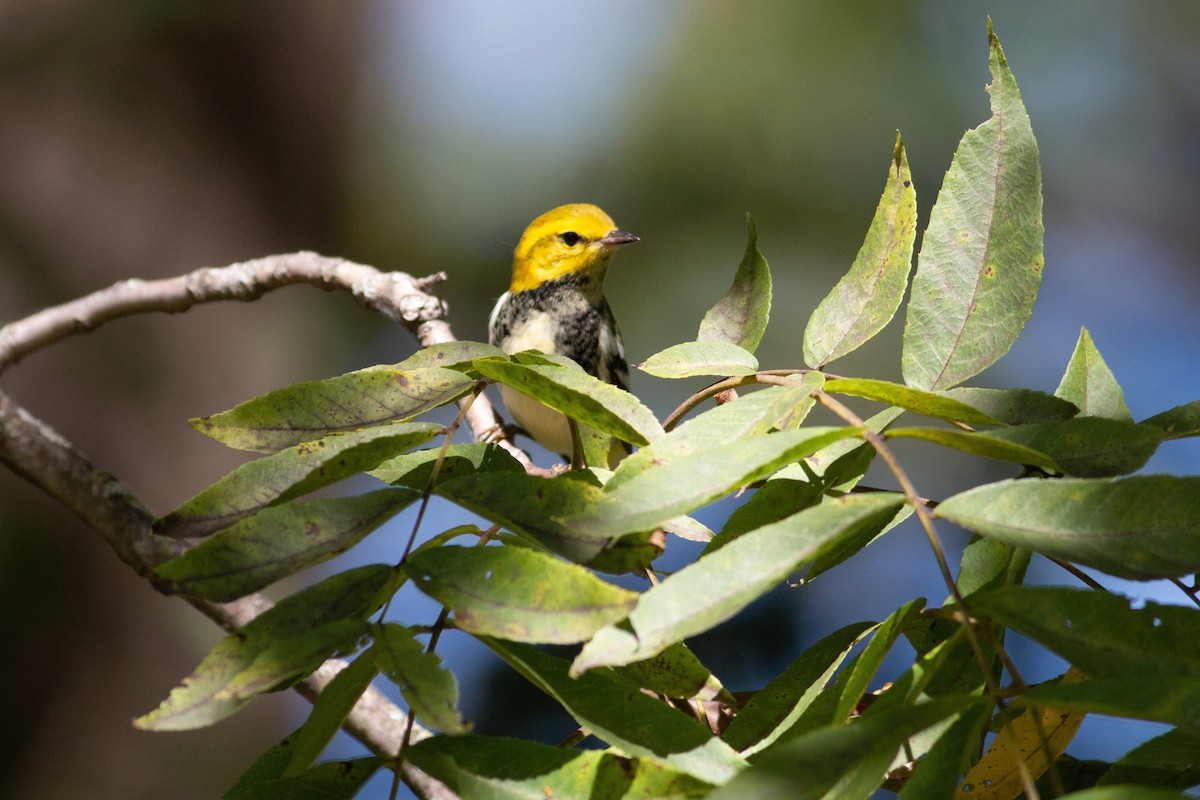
[(149, 139)]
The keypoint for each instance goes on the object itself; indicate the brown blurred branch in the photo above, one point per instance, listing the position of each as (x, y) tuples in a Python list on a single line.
[(39, 454)]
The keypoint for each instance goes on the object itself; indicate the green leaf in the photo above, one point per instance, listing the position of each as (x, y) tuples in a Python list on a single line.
[(775, 499), (1088, 447), (980, 444), (289, 474), (847, 547), (827, 755), (519, 594), (866, 299), (857, 677), (1090, 384), (428, 688), (980, 265), (332, 780), (304, 412), (717, 586), (1173, 700), (627, 719), (1142, 527), (949, 757), (1168, 760), (534, 506), (485, 768), (696, 479), (1178, 422), (1124, 793), (928, 404), (282, 644), (276, 542), (330, 711), (414, 469), (450, 355), (580, 396), (776, 707), (751, 414), (740, 316), (675, 672), (700, 358), (1014, 406), (1098, 632)]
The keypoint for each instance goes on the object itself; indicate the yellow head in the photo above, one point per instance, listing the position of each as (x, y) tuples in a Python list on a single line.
[(573, 238)]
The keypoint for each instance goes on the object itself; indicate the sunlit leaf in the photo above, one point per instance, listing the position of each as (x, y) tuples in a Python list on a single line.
[(627, 719), (720, 584), (1141, 527), (518, 594), (693, 480), (980, 265), (700, 358), (289, 474), (307, 411), (1178, 422), (1090, 384), (740, 316), (578, 395), (866, 298), (283, 644), (485, 768), (276, 542), (929, 404), (979, 443), (428, 688)]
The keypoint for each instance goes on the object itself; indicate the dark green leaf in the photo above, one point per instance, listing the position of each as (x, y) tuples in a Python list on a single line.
[(980, 265), (696, 479), (777, 706), (826, 756), (483, 768), (1098, 632), (981, 443), (929, 404), (740, 316), (276, 542), (1014, 406), (329, 713), (1090, 384), (1124, 793), (866, 299), (519, 594), (332, 780), (1088, 447), (950, 757), (1174, 700), (289, 474), (623, 716), (1178, 422), (1169, 760), (428, 688), (533, 507), (281, 645), (700, 358), (578, 395), (1142, 527), (717, 586), (304, 412), (675, 672)]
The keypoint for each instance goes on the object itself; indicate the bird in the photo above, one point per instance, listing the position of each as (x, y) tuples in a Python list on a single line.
[(555, 304)]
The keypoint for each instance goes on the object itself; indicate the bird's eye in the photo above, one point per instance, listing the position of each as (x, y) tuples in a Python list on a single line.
[(570, 238)]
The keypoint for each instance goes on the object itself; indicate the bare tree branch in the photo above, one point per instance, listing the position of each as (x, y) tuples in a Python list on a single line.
[(39, 454), (396, 295)]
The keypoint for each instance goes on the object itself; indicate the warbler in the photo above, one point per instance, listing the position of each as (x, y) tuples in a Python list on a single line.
[(555, 304)]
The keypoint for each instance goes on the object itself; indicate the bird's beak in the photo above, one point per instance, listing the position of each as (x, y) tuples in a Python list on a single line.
[(614, 238)]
